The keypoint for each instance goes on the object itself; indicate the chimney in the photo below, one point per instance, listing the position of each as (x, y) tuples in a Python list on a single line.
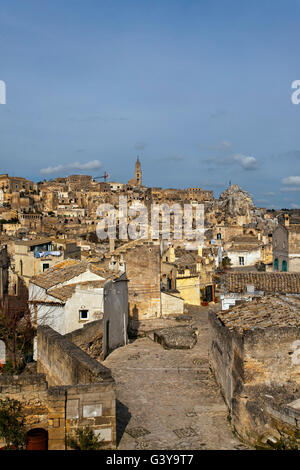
[(111, 245), (172, 254), (286, 220)]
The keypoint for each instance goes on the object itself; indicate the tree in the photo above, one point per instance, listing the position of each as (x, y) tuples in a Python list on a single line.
[(226, 263), (92, 237), (15, 325), (12, 428), (84, 439)]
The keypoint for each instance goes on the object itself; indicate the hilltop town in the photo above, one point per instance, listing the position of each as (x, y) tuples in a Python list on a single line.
[(155, 342)]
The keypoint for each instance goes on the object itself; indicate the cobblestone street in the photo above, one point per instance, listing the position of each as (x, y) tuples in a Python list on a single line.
[(168, 399)]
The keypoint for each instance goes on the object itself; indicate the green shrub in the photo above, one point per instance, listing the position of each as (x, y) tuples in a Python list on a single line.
[(84, 439), (12, 428)]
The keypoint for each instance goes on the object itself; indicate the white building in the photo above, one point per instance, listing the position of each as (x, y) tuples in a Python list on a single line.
[(244, 251), (68, 295)]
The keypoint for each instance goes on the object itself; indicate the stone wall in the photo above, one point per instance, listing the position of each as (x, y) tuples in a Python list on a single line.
[(259, 378), (226, 359), (171, 304), (86, 334), (64, 363), (32, 392), (81, 393)]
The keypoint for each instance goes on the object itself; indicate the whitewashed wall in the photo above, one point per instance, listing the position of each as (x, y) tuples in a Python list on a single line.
[(83, 299), (250, 257)]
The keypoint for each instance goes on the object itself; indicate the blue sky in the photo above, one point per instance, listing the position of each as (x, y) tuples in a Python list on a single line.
[(200, 89)]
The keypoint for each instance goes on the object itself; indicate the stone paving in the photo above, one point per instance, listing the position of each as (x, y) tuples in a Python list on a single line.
[(168, 399)]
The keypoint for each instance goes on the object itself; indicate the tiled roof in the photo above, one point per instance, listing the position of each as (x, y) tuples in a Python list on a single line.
[(64, 293), (243, 247), (35, 242), (187, 259), (245, 239), (65, 271), (264, 312), (270, 283)]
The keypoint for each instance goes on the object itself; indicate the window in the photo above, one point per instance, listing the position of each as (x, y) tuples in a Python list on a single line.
[(284, 266), (83, 314), (219, 236), (276, 264), (45, 266), (241, 261)]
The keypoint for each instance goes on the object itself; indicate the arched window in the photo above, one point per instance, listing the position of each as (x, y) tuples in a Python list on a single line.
[(276, 264), (284, 266)]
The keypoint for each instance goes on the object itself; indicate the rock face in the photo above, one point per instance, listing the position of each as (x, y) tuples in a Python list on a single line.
[(181, 337), (235, 202)]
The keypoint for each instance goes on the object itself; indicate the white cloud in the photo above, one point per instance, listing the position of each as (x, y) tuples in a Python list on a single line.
[(291, 180), (224, 145), (173, 158), (92, 165), (246, 162), (291, 189)]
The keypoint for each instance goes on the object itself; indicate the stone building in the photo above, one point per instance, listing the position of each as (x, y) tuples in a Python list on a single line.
[(31, 257), (11, 184), (137, 180), (78, 182), (286, 246), (142, 261), (70, 391), (32, 221), (191, 273), (254, 357)]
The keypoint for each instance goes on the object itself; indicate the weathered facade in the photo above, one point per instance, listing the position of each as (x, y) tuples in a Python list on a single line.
[(70, 390), (115, 317), (286, 247), (254, 357)]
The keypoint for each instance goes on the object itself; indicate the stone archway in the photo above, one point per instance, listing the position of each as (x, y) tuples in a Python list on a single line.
[(37, 439)]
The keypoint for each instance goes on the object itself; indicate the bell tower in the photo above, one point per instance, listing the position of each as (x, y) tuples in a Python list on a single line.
[(138, 172)]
